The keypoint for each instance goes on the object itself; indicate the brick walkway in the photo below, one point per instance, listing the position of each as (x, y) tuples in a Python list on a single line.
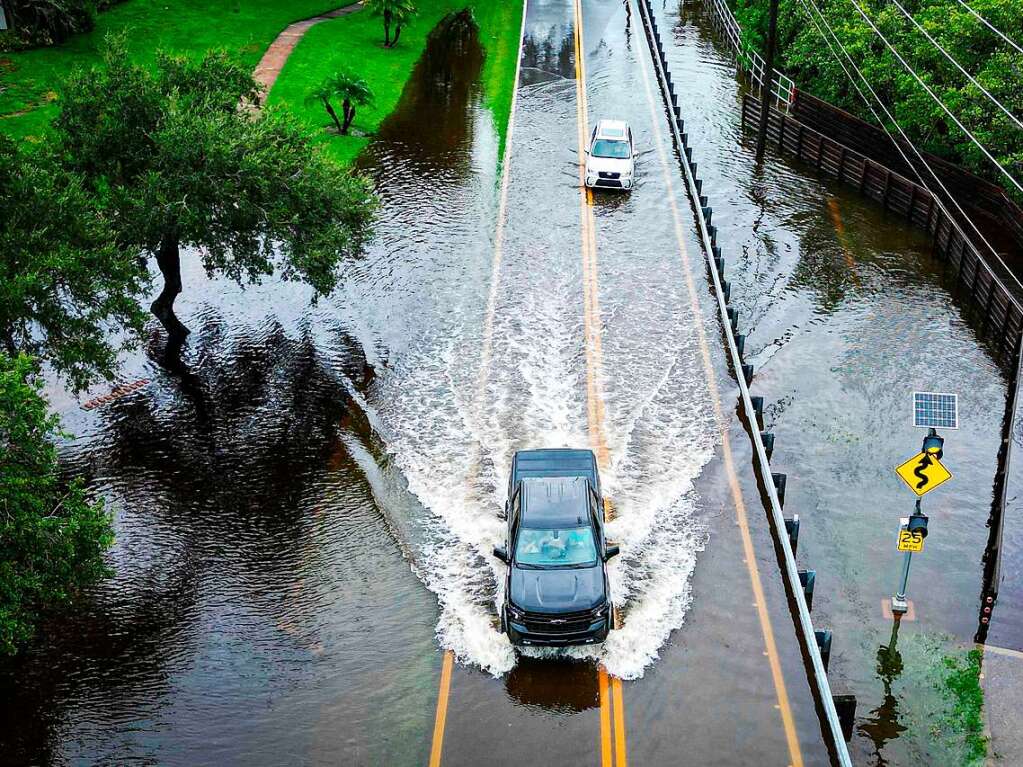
[(277, 54)]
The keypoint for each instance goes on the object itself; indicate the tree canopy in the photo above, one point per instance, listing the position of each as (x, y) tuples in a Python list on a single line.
[(181, 158), (993, 62), (51, 537), (65, 288)]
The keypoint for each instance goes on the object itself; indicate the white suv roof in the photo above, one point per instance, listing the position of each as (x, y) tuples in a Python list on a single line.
[(612, 129)]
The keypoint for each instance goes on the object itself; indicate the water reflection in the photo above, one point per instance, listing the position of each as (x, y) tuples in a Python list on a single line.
[(883, 724), (558, 686)]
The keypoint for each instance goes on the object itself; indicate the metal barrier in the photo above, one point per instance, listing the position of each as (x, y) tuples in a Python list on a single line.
[(815, 643), (750, 62)]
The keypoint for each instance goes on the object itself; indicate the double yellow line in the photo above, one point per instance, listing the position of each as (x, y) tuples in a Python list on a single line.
[(613, 752)]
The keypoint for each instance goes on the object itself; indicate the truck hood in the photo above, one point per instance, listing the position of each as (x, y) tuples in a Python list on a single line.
[(557, 590)]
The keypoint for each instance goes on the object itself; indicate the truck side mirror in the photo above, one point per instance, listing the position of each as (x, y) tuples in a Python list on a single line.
[(610, 551), (501, 553)]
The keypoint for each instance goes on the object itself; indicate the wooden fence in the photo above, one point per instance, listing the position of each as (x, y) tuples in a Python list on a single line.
[(1002, 319)]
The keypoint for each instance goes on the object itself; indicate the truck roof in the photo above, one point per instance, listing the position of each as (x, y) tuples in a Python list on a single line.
[(555, 462), (554, 501)]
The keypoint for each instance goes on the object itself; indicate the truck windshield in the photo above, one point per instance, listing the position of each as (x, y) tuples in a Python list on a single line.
[(555, 548), (616, 150)]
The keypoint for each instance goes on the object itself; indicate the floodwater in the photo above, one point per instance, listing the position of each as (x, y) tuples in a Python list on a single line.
[(304, 523)]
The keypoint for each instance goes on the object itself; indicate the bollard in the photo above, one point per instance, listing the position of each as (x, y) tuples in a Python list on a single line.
[(740, 344), (692, 165), (703, 201), (713, 231), (747, 372), (807, 579), (719, 264), (779, 485), (678, 116), (699, 186), (716, 251), (733, 317), (685, 139), (689, 154), (845, 707), (726, 290), (823, 638), (767, 438), (708, 214), (758, 408), (792, 528)]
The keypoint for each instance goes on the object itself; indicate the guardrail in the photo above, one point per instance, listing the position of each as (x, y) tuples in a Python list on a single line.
[(748, 61), (816, 644)]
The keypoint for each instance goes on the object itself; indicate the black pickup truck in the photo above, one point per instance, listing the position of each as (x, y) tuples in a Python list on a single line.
[(556, 588)]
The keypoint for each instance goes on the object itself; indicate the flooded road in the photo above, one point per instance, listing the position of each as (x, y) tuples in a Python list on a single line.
[(304, 523)]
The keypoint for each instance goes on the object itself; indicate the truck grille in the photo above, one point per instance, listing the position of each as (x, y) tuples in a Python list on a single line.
[(565, 623)]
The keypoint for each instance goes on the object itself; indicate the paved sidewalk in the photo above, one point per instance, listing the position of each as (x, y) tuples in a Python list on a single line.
[(276, 55)]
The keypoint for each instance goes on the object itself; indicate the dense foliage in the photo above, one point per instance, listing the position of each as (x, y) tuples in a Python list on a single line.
[(65, 287), (994, 63), (51, 537), (180, 157)]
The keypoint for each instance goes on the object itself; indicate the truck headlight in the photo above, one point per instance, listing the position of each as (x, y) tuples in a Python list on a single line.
[(591, 180), (515, 613)]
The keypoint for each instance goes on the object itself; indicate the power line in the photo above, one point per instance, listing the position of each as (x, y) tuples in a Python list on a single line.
[(959, 66), (990, 26), (898, 148), (937, 100)]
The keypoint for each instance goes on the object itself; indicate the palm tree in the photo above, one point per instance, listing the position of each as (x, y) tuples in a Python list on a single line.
[(397, 12), (353, 91), (347, 86)]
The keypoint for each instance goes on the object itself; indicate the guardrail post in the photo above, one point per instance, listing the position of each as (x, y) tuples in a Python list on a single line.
[(792, 528), (823, 637), (767, 438), (845, 707), (779, 485), (808, 579)]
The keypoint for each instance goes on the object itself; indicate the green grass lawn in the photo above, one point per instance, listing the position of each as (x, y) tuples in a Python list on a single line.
[(29, 79), (356, 41)]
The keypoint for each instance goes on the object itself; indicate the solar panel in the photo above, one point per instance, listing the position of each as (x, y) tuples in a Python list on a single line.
[(936, 411)]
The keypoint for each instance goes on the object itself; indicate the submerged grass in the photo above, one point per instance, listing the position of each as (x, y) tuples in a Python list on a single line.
[(965, 698), (356, 42), (30, 80)]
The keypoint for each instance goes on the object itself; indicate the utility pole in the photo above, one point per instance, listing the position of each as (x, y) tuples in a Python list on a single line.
[(767, 82)]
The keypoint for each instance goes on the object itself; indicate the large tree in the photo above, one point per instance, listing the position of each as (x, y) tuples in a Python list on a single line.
[(65, 289), (184, 160), (52, 537)]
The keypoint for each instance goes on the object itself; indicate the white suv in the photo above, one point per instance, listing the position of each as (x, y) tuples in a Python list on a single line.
[(610, 160)]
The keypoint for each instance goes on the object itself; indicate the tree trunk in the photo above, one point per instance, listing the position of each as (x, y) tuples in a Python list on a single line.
[(333, 116), (387, 29), (397, 34), (168, 258), (349, 111)]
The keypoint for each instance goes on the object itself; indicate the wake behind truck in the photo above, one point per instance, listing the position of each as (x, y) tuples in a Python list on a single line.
[(556, 585)]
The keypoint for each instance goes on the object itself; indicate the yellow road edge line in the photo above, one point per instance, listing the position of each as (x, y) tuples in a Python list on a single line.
[(442, 709), (788, 721), (612, 717)]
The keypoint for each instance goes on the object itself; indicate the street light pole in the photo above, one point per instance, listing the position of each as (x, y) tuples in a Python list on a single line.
[(767, 81)]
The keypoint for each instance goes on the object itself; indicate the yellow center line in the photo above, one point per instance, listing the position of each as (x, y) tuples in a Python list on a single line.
[(612, 707), (788, 721), (442, 709)]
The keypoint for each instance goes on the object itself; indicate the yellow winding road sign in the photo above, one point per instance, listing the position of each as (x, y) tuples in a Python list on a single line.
[(923, 473)]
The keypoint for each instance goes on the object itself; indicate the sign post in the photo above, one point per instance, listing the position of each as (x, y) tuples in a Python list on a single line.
[(922, 473)]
